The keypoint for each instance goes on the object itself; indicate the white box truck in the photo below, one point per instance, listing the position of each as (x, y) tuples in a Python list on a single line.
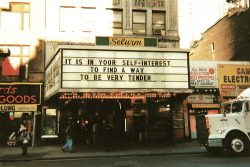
[(229, 131)]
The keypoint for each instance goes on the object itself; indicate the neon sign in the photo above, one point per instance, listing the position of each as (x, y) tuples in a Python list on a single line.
[(20, 94)]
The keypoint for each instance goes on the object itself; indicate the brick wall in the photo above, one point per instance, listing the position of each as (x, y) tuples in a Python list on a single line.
[(230, 38)]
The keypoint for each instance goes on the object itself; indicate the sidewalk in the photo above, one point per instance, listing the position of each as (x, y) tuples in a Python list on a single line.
[(80, 151)]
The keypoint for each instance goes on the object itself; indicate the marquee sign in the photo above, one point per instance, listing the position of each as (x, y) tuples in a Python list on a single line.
[(119, 69), (83, 70)]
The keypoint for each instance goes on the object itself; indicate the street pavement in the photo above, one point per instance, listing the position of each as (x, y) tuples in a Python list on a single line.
[(81, 151)]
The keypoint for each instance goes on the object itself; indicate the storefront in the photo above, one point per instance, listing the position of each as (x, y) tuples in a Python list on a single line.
[(18, 105), (137, 90), (202, 104)]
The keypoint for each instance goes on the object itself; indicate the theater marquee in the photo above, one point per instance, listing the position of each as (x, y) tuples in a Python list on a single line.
[(115, 69)]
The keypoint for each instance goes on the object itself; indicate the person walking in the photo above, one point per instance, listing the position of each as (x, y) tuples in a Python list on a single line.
[(86, 133), (69, 142), (106, 135), (25, 142), (29, 129), (95, 130)]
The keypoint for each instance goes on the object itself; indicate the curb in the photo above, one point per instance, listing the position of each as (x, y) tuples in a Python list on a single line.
[(101, 156)]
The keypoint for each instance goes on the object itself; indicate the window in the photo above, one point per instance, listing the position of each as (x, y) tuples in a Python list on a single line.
[(50, 127), (158, 22), (233, 107), (88, 19), (19, 14), (114, 21), (212, 46), (139, 22), (15, 67), (68, 19)]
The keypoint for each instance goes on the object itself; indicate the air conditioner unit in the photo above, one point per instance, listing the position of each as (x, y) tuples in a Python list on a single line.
[(157, 31)]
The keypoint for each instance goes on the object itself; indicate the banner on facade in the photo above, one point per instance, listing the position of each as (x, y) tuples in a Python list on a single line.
[(202, 77), (233, 79)]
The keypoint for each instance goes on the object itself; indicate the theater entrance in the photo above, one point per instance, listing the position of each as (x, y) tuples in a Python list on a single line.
[(135, 120)]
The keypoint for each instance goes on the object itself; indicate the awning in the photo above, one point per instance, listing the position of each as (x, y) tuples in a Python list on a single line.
[(4, 52)]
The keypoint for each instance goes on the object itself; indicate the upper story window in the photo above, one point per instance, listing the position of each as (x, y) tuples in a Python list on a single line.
[(68, 19), (17, 18), (74, 19), (88, 19), (15, 67), (139, 22), (212, 46), (158, 22), (114, 21)]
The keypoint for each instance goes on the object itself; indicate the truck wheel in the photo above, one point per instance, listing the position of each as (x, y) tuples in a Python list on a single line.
[(236, 144), (214, 149)]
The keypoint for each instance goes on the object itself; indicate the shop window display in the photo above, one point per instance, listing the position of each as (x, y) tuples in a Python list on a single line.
[(50, 122), (16, 123)]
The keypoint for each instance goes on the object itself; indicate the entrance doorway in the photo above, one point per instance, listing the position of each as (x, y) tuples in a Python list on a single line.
[(88, 112)]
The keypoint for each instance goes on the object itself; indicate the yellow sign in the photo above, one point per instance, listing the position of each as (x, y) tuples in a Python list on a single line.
[(233, 79), (120, 41), (205, 105), (18, 107)]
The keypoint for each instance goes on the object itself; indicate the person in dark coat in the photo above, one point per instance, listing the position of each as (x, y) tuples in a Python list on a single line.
[(106, 135), (69, 133)]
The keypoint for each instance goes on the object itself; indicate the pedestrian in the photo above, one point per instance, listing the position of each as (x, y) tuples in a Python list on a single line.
[(25, 142), (69, 142), (86, 133), (106, 135), (29, 129), (95, 129)]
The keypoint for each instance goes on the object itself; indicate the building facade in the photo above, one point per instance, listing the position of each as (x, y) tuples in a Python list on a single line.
[(109, 66), (227, 40), (214, 82), (22, 70), (94, 59), (224, 50)]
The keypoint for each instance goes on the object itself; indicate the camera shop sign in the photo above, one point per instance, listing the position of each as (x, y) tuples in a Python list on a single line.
[(20, 94)]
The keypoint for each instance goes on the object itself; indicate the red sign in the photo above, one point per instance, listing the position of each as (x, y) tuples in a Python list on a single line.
[(228, 86), (20, 94)]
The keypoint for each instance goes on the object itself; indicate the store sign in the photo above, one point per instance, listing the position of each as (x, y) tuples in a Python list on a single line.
[(18, 107), (83, 69), (205, 105), (126, 41), (20, 94), (200, 99), (202, 77), (233, 79), (116, 41)]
